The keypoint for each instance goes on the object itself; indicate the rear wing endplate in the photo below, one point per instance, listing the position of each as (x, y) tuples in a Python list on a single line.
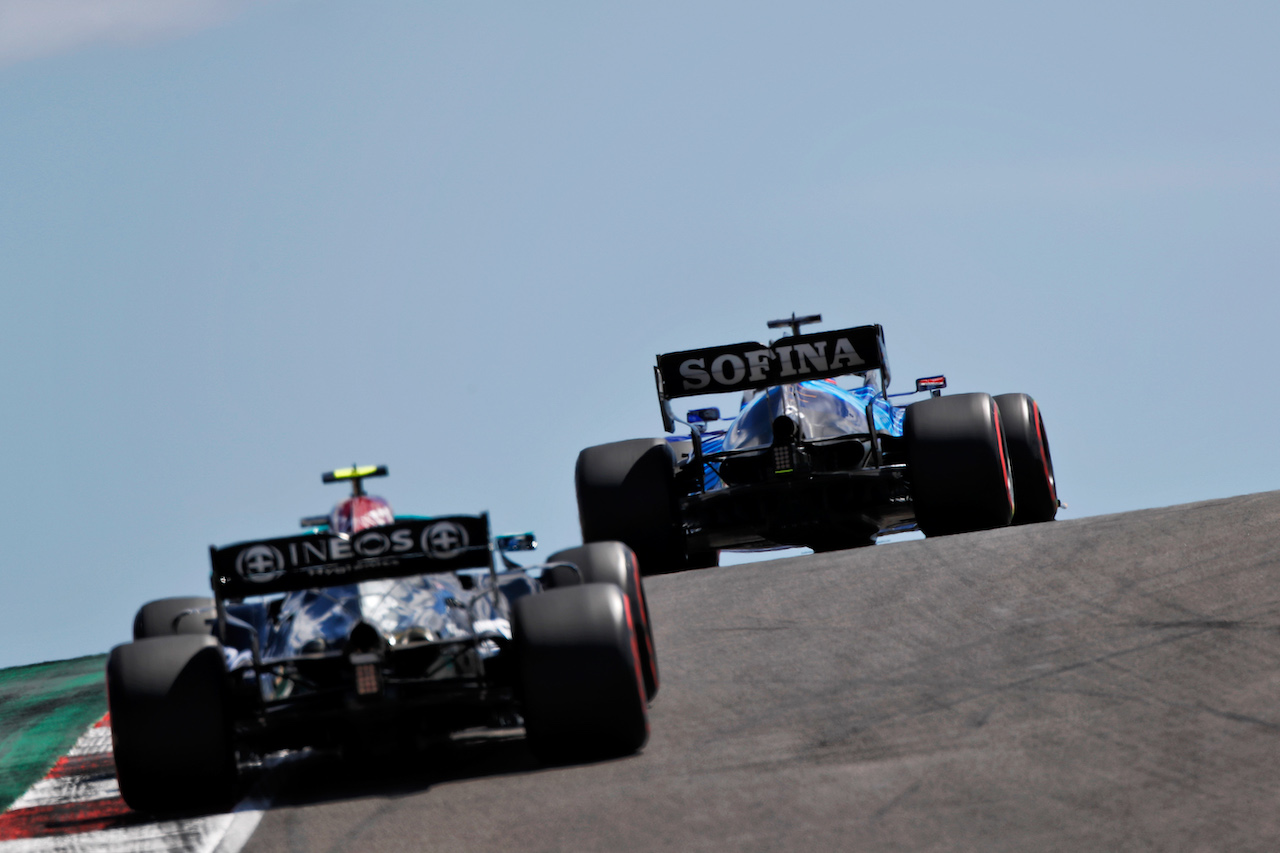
[(750, 365), (407, 547)]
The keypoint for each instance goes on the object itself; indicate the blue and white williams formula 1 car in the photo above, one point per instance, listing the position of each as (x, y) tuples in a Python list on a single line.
[(819, 455)]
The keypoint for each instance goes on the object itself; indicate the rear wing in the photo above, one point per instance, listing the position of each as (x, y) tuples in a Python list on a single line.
[(410, 546), (749, 365)]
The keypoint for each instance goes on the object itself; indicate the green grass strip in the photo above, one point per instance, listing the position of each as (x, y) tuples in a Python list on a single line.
[(44, 708)]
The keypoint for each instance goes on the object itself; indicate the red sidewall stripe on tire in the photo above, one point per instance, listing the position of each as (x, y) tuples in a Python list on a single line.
[(1042, 442), (635, 656), (648, 637), (1004, 455)]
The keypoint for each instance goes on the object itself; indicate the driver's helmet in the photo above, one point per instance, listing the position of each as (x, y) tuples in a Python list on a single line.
[(360, 512)]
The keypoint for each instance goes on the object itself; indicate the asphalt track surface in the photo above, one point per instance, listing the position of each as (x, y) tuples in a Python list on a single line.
[(1107, 683)]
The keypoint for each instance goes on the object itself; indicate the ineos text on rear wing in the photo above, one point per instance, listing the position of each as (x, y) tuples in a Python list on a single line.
[(750, 365), (407, 547)]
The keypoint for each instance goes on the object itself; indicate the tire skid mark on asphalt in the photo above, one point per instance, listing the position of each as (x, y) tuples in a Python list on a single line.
[(77, 808)]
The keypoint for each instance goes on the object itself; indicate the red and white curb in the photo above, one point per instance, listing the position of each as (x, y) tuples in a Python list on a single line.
[(77, 808)]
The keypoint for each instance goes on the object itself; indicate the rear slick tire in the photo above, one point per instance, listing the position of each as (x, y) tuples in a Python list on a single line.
[(170, 725), (626, 493), (581, 691), (615, 563), (1035, 491), (958, 464)]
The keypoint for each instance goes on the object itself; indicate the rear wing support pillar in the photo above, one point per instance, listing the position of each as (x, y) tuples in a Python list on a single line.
[(664, 402), (219, 604), (876, 455)]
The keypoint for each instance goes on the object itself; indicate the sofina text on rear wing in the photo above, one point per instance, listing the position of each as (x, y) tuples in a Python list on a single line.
[(407, 547), (749, 365)]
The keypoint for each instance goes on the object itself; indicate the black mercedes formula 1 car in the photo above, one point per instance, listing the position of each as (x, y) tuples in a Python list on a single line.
[(812, 461), (372, 630)]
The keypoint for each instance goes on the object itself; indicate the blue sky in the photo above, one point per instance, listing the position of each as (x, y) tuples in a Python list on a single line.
[(245, 242)]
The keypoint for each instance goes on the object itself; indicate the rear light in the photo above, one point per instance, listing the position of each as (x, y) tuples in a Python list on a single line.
[(932, 384), (368, 675), (784, 459)]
